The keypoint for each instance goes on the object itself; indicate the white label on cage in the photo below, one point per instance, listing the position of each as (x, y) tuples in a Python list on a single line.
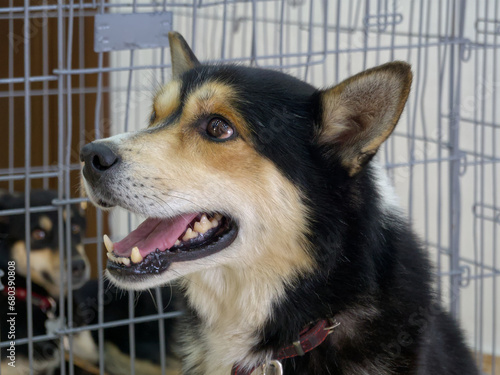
[(115, 32)]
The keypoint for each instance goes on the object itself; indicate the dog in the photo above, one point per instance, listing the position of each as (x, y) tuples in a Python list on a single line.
[(44, 254), (147, 356), (15, 357), (46, 282), (261, 195)]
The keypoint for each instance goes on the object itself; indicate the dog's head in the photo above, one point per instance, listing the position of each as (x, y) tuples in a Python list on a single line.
[(44, 241), (233, 164)]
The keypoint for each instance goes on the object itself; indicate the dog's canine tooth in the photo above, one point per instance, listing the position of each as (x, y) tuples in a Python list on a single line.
[(217, 217), (136, 256), (214, 222), (203, 225), (190, 234), (108, 243)]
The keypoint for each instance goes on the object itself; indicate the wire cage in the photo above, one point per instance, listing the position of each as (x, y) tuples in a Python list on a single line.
[(71, 72)]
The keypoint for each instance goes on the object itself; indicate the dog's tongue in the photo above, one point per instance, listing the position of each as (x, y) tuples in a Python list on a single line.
[(154, 234)]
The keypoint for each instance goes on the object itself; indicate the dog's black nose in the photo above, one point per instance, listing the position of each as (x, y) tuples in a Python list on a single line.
[(98, 159), (79, 272)]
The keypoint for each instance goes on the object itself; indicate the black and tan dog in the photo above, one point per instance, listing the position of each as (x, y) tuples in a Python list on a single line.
[(260, 194), (44, 245), (148, 355), (46, 281)]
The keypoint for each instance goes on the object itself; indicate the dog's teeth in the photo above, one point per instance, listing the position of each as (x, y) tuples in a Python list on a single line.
[(218, 217), (187, 235), (136, 255), (108, 243), (203, 225), (122, 260), (198, 227), (190, 234), (125, 261), (214, 223), (177, 243)]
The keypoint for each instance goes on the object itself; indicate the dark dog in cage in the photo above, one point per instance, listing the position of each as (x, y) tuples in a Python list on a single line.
[(44, 241), (13, 326), (261, 195), (44, 269), (148, 352)]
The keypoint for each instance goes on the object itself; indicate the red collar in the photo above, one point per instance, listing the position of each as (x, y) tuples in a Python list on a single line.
[(309, 339), (45, 303)]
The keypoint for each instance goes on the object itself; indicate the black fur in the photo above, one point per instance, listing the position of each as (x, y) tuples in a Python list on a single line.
[(116, 307), (12, 230), (43, 351), (12, 227), (374, 276)]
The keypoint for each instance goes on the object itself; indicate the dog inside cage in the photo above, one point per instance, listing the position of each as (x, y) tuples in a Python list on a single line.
[(249, 187)]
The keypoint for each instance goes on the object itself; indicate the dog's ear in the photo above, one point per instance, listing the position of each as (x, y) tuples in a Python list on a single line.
[(358, 115), (183, 59)]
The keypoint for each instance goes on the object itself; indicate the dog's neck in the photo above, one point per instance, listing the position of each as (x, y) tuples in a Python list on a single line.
[(233, 305)]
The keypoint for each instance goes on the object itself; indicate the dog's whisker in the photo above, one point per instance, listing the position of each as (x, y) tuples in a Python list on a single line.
[(153, 298)]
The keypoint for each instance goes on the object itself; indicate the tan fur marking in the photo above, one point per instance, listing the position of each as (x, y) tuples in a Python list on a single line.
[(45, 223), (65, 214), (81, 250), (214, 98), (167, 100), (85, 347), (19, 255), (119, 363), (40, 260)]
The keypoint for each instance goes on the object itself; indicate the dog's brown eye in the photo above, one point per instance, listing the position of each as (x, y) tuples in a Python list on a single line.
[(220, 129), (75, 229), (38, 234)]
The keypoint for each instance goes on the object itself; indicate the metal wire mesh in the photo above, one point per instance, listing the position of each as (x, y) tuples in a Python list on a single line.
[(443, 158)]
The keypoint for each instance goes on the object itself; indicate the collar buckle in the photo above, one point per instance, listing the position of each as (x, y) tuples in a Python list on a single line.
[(273, 367), (333, 324)]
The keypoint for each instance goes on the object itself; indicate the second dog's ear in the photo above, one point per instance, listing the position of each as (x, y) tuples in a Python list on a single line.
[(360, 113), (183, 59)]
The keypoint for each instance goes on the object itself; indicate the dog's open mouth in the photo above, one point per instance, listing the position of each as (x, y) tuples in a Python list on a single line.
[(157, 243)]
